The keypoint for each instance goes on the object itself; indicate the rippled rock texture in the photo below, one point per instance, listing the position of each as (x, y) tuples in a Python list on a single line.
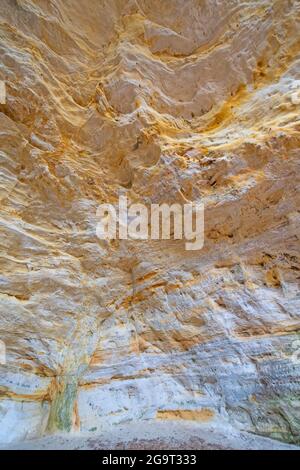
[(161, 101)]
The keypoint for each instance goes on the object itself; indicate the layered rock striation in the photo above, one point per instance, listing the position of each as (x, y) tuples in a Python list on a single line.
[(162, 102)]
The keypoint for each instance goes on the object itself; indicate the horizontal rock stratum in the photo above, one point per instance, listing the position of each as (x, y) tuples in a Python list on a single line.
[(162, 102)]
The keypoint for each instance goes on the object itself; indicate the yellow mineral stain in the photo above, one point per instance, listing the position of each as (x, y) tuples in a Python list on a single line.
[(202, 415), (40, 395)]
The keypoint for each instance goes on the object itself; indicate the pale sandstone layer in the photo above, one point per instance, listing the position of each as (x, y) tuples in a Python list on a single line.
[(161, 101)]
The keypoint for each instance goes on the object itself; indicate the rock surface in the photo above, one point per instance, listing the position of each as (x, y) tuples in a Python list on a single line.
[(174, 101)]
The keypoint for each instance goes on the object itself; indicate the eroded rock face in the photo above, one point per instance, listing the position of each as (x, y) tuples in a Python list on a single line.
[(160, 101)]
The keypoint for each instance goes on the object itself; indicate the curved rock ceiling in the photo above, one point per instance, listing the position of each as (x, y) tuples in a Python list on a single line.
[(161, 101)]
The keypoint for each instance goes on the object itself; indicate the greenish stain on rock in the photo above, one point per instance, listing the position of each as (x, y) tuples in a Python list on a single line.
[(286, 411), (63, 404)]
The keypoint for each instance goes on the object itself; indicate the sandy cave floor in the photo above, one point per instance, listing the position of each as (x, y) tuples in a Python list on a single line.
[(164, 435)]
